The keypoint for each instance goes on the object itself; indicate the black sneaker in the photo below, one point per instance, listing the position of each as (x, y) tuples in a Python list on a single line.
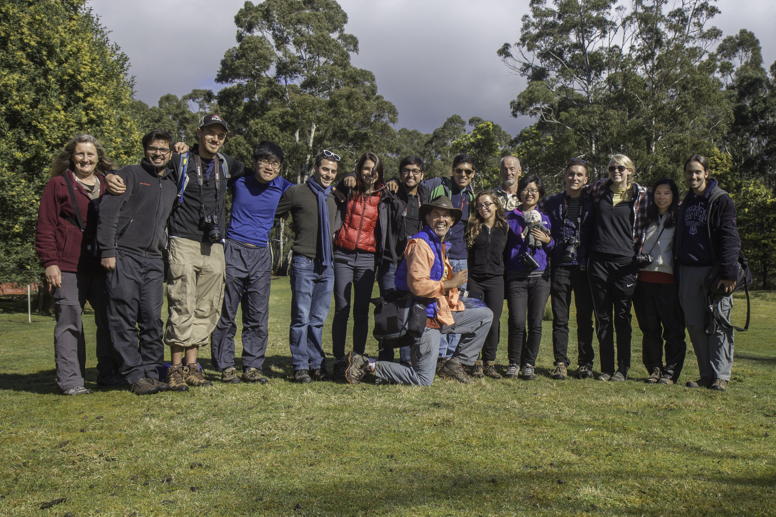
[(358, 365), (302, 377), (528, 373), (339, 369), (254, 375), (144, 386), (320, 374), (584, 371), (114, 379)]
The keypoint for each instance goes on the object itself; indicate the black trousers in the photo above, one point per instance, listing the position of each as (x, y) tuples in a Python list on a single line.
[(135, 296), (526, 299), (660, 319), (563, 282), (491, 291), (612, 283)]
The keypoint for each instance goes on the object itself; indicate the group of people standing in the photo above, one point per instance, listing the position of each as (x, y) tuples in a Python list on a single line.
[(103, 236)]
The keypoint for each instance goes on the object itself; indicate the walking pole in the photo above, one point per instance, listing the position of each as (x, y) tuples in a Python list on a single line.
[(29, 309)]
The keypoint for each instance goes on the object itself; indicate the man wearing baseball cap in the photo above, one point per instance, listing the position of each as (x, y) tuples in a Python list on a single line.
[(426, 272)]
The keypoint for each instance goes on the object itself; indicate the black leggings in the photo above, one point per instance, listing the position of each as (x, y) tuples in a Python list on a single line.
[(491, 291)]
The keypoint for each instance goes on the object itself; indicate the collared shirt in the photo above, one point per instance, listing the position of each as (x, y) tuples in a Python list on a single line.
[(420, 258), (507, 201)]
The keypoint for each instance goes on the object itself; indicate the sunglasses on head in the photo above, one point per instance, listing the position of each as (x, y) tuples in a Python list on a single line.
[(618, 168), (329, 154)]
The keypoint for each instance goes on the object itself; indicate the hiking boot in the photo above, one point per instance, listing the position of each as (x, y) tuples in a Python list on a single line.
[(655, 377), (512, 371), (358, 365), (161, 386), (604, 377), (667, 379), (452, 369), (528, 373), (230, 376), (440, 363), (193, 376), (703, 382), (618, 377), (584, 371), (175, 380), (719, 385), (254, 375), (559, 372), (77, 390), (320, 374), (144, 386), (302, 377), (478, 371), (490, 370)]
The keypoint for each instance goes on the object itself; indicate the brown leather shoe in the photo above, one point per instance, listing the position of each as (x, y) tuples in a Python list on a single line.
[(452, 369), (194, 377)]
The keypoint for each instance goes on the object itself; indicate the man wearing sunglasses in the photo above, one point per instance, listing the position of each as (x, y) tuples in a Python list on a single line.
[(131, 234), (311, 272), (248, 266)]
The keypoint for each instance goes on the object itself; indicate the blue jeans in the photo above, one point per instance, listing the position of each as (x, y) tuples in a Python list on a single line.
[(450, 341), (386, 275), (311, 287)]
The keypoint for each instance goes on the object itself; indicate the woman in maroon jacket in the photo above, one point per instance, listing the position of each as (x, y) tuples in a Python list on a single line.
[(66, 245), (354, 255)]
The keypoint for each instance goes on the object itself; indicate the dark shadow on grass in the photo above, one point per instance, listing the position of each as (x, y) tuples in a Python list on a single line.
[(760, 358), (41, 382)]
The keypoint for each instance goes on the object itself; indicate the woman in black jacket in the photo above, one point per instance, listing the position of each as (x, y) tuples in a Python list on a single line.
[(486, 238)]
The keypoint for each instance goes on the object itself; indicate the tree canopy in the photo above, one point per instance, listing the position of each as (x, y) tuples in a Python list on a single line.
[(60, 77)]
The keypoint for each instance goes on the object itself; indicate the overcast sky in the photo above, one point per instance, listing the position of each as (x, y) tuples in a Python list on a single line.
[(431, 58)]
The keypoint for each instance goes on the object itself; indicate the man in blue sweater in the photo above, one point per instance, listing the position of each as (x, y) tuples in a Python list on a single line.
[(248, 266)]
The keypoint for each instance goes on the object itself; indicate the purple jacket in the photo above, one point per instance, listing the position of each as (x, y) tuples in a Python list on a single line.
[(516, 246)]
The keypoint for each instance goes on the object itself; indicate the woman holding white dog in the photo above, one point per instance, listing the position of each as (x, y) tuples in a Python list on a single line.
[(527, 276)]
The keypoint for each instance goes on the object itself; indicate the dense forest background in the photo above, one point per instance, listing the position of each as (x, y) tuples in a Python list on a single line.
[(654, 81)]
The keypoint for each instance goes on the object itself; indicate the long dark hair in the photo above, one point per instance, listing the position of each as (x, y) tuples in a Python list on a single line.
[(359, 190), (476, 222), (673, 209), (527, 180)]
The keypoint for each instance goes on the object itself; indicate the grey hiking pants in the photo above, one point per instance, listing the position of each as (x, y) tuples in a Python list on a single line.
[(715, 351), (472, 324), (69, 344)]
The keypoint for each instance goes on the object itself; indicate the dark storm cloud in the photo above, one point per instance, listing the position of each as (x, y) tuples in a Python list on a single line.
[(432, 59)]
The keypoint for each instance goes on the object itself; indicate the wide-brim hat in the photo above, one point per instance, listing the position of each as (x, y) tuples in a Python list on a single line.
[(440, 202)]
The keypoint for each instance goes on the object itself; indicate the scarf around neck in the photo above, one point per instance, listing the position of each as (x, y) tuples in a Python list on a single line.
[(324, 231)]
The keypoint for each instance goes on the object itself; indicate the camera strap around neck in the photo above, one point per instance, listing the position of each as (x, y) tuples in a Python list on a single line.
[(216, 172)]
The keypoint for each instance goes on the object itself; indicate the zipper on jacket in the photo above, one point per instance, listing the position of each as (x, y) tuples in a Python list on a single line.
[(361, 222), (156, 216)]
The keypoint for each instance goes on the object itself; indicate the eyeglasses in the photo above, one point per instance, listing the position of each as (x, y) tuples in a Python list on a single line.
[(530, 191), (619, 168), (480, 206), (329, 154), (261, 162), (414, 172), (160, 150), (461, 170)]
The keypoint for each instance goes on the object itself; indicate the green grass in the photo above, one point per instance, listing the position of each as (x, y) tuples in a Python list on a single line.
[(490, 448)]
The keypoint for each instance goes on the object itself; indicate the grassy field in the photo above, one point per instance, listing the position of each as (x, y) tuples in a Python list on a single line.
[(491, 448)]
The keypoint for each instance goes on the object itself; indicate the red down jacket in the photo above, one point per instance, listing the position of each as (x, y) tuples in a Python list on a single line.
[(358, 227)]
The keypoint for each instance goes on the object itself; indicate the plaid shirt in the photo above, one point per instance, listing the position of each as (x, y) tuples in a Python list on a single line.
[(639, 210)]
